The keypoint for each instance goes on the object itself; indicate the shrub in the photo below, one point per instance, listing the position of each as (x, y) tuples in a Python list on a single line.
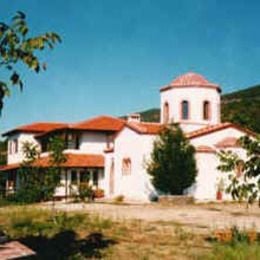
[(234, 235), (119, 199), (86, 192)]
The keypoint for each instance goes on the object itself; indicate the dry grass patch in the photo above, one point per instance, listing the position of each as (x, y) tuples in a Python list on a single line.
[(92, 236)]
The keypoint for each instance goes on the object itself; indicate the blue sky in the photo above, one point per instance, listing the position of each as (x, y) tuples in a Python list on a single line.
[(116, 54)]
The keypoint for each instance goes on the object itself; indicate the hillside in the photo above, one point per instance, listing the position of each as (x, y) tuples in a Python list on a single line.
[(241, 107)]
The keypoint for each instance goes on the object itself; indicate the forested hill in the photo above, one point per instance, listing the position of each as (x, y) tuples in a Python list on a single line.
[(241, 107)]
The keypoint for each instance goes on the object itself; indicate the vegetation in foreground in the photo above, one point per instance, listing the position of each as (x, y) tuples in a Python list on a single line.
[(80, 236), (244, 174)]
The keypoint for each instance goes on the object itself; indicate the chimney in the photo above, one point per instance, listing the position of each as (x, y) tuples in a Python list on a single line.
[(135, 117)]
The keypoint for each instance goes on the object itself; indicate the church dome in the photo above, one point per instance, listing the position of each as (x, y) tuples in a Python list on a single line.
[(191, 79)]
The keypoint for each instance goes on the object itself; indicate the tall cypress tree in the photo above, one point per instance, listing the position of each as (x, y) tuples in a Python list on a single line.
[(172, 165)]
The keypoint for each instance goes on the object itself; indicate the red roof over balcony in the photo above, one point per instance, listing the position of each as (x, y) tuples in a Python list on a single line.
[(73, 161)]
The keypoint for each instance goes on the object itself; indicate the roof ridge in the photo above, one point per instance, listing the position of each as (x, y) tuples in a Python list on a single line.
[(95, 118)]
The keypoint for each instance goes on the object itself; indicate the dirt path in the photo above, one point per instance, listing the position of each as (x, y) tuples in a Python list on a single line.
[(204, 217)]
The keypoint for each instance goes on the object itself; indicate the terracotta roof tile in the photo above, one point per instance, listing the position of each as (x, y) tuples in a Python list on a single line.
[(217, 127), (205, 149), (102, 123), (73, 161), (191, 79), (36, 128), (228, 142), (145, 128)]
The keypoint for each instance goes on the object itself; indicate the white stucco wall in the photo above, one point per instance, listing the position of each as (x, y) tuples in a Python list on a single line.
[(213, 138), (129, 144), (92, 143), (208, 176), (22, 138), (195, 97)]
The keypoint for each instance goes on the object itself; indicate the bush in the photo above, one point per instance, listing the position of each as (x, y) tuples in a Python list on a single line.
[(234, 235), (119, 199), (86, 192)]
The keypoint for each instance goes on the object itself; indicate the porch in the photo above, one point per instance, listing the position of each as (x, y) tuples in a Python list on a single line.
[(78, 168), (71, 179)]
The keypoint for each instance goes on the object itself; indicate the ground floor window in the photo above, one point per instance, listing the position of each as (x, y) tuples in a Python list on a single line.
[(74, 177), (84, 176), (95, 178)]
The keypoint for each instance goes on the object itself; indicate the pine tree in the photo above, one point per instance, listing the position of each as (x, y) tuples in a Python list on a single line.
[(172, 165)]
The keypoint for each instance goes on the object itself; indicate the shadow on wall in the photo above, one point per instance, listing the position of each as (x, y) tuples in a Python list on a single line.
[(151, 193), (65, 244)]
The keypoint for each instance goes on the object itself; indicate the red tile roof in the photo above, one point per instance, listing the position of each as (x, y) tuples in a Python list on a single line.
[(228, 142), (191, 79), (205, 149), (217, 127), (36, 128), (73, 161), (100, 123), (145, 128)]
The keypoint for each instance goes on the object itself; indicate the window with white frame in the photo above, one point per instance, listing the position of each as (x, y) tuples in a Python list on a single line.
[(13, 146)]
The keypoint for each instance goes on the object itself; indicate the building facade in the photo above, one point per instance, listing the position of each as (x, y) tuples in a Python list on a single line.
[(111, 153)]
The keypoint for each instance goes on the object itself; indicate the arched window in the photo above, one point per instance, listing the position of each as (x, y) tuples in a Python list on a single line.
[(206, 110), (185, 109), (165, 113), (126, 166)]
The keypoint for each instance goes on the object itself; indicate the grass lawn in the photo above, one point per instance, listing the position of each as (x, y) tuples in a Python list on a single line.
[(59, 235)]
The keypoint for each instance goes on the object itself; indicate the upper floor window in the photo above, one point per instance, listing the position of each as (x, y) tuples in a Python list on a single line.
[(13, 146), (126, 166), (109, 141), (72, 141), (185, 109), (165, 113), (206, 110)]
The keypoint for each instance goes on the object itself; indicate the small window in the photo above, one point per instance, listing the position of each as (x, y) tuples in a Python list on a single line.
[(109, 140), (15, 145), (10, 147), (166, 113), (77, 142), (206, 110), (72, 141), (126, 166), (74, 177), (185, 109)]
